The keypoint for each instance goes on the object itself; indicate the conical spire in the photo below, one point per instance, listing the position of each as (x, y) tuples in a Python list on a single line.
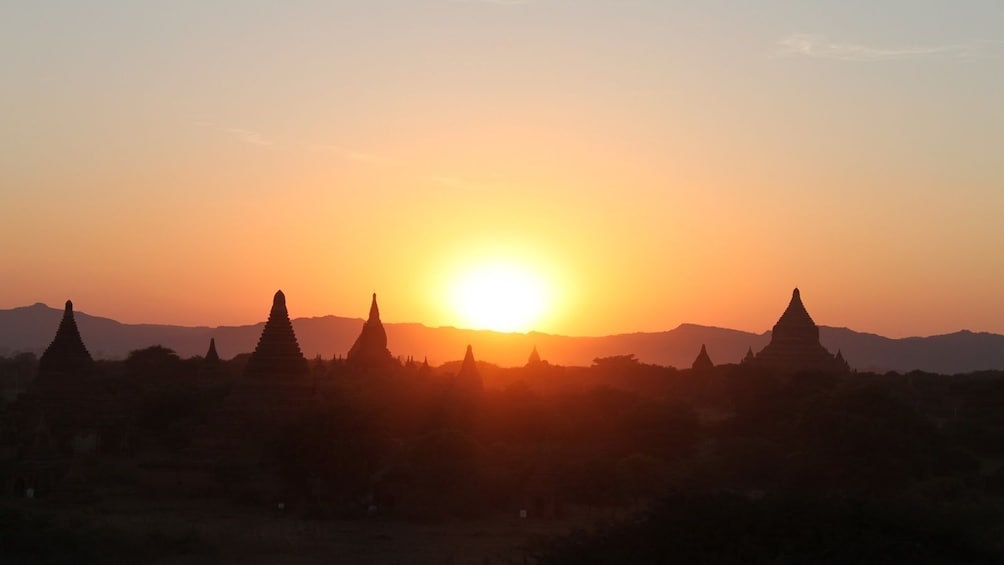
[(840, 360), (469, 376), (795, 315), (211, 355), (749, 356), (66, 354), (534, 358), (278, 353), (794, 343), (703, 361), (370, 348)]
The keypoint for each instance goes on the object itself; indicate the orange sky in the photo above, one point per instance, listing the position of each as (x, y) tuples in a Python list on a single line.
[(654, 162)]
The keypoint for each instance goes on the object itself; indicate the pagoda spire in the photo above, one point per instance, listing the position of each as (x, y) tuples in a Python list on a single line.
[(374, 310), (794, 343), (212, 356), (370, 348), (703, 361), (534, 358), (66, 354), (277, 353), (469, 376)]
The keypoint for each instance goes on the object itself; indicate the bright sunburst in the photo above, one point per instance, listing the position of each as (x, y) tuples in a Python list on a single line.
[(503, 297)]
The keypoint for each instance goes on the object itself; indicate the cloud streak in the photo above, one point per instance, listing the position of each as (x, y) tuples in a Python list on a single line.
[(251, 137), (820, 47)]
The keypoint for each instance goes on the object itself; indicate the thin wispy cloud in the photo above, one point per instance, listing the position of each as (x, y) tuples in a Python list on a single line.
[(821, 47), (251, 137), (347, 153)]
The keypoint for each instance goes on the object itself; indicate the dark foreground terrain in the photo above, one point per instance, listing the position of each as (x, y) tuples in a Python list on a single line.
[(162, 459)]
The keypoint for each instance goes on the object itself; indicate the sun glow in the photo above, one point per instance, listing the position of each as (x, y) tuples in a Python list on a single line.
[(503, 297)]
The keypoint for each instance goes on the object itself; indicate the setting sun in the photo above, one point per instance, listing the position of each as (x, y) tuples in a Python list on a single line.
[(500, 296)]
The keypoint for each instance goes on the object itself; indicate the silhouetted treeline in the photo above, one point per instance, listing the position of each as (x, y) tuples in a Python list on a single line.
[(795, 468)]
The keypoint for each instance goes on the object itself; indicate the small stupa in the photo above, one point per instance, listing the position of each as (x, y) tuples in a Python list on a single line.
[(469, 377), (370, 348), (703, 361), (534, 359), (794, 343), (66, 354), (278, 353), (749, 358), (212, 357)]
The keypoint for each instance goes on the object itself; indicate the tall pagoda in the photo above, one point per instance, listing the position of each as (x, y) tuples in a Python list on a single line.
[(66, 354), (794, 344), (278, 353), (370, 348)]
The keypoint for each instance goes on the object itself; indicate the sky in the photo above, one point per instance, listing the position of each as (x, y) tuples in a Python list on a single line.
[(652, 162)]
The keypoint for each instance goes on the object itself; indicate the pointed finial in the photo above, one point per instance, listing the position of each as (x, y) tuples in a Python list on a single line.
[(374, 309), (69, 306), (795, 294), (279, 298)]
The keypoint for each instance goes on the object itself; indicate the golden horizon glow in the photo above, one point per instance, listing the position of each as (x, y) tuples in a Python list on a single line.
[(653, 163), (502, 296)]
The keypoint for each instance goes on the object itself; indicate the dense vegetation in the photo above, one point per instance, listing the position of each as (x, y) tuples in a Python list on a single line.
[(732, 465)]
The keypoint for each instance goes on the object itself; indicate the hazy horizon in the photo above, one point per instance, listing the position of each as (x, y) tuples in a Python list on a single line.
[(362, 316)]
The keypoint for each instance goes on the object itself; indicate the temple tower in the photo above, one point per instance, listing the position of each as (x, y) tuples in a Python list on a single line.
[(534, 359), (749, 358), (212, 357), (469, 377), (370, 348), (278, 353), (794, 343), (66, 354), (703, 361)]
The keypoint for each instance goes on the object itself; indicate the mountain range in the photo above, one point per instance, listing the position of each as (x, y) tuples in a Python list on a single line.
[(31, 328)]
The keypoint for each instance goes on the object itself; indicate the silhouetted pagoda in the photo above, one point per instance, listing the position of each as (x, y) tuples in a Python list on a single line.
[(66, 354), (212, 357), (534, 359), (749, 358), (278, 353), (370, 348), (469, 377), (703, 361), (794, 344)]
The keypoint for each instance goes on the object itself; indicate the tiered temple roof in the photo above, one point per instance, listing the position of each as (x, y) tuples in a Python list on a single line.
[(278, 353), (66, 354), (370, 348), (703, 361), (794, 343)]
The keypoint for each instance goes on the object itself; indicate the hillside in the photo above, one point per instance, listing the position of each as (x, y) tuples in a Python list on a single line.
[(31, 328)]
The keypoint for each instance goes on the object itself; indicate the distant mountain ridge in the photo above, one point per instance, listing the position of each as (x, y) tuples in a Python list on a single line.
[(31, 328)]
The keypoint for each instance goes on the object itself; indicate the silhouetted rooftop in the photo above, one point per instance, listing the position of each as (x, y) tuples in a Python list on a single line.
[(370, 348), (278, 353), (66, 354), (469, 376), (703, 361), (794, 343)]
